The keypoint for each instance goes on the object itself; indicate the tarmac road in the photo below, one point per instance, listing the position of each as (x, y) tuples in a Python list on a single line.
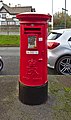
[(10, 57), (9, 51), (11, 61), (11, 65)]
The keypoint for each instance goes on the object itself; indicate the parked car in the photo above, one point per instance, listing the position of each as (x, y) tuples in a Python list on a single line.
[(1, 63), (59, 51)]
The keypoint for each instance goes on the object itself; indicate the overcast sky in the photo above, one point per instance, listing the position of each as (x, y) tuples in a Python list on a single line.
[(44, 6)]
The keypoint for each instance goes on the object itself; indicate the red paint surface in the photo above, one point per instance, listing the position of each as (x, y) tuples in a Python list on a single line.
[(33, 67)]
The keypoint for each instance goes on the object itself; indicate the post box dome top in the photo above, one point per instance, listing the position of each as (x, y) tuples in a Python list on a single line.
[(33, 16)]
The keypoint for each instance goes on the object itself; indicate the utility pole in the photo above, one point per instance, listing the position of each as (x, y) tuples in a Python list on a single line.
[(65, 12), (52, 14)]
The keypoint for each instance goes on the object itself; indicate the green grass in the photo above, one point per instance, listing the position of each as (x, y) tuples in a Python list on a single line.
[(60, 91), (9, 40)]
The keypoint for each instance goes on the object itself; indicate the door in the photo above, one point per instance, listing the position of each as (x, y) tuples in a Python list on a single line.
[(34, 60)]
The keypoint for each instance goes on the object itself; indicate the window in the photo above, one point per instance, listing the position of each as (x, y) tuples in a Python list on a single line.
[(3, 15), (54, 36), (3, 23), (69, 39)]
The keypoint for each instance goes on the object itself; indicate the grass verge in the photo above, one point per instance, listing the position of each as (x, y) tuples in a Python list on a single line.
[(9, 40), (60, 91)]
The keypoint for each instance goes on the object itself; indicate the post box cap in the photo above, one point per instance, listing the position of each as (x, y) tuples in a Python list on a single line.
[(33, 16)]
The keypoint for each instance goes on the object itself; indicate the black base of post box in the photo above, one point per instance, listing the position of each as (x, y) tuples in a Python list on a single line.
[(33, 95)]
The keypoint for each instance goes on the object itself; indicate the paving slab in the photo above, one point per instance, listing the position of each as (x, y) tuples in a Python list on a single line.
[(57, 107)]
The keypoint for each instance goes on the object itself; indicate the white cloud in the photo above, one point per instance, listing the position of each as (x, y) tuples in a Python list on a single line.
[(44, 6)]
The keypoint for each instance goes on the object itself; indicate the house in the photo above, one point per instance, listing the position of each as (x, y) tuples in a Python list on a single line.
[(8, 13)]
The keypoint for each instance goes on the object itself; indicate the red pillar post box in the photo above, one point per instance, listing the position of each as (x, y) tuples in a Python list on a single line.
[(33, 81)]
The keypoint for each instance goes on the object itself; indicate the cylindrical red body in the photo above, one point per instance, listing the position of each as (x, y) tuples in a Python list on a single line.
[(33, 56)]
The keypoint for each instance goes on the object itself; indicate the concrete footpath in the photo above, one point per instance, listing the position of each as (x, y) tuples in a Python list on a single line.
[(57, 107)]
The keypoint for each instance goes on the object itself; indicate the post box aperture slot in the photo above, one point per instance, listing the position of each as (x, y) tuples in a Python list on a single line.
[(32, 42), (30, 30)]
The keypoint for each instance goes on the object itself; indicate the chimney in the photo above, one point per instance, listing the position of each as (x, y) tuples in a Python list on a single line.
[(19, 5), (9, 4), (33, 10), (1, 1)]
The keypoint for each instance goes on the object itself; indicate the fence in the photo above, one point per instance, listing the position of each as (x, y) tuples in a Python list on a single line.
[(9, 29)]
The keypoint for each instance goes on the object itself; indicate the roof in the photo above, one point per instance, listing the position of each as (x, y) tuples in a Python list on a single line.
[(16, 10)]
